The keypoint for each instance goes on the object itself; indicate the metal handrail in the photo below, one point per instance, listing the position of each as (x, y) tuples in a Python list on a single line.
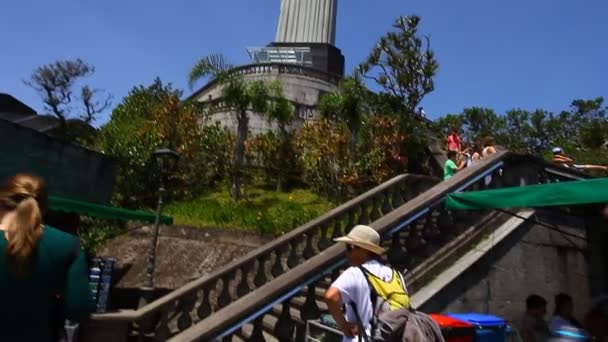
[(193, 286), (257, 303)]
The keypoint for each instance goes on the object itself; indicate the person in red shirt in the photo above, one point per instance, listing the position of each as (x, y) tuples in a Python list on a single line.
[(454, 143)]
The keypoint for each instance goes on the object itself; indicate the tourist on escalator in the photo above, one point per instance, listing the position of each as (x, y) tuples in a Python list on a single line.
[(560, 158), (454, 142), (489, 147), (352, 289), (39, 264), (452, 165)]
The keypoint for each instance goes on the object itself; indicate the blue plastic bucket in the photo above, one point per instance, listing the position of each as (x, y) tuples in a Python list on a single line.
[(488, 328)]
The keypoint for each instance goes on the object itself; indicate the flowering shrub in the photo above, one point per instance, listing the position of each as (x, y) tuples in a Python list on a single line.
[(381, 155), (322, 149), (274, 158)]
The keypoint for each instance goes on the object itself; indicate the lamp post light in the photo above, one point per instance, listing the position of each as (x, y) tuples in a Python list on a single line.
[(166, 162)]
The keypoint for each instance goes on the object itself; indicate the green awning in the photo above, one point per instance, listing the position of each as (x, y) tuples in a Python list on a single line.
[(542, 195), (102, 211)]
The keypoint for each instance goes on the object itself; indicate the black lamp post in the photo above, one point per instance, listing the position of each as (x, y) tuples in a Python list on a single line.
[(166, 162)]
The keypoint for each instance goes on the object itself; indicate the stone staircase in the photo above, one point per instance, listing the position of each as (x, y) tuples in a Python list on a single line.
[(201, 298), (270, 293)]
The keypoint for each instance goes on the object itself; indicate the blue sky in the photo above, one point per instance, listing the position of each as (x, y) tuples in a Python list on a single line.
[(499, 54)]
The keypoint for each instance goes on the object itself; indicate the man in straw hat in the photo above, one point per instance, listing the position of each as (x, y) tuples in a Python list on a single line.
[(362, 250)]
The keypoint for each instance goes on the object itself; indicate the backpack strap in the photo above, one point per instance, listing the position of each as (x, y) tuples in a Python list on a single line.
[(362, 334), (372, 290), (373, 297)]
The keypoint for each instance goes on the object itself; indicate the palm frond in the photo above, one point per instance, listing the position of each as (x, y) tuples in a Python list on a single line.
[(214, 66)]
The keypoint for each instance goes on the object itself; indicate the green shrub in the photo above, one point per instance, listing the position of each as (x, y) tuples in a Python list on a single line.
[(267, 212), (95, 232)]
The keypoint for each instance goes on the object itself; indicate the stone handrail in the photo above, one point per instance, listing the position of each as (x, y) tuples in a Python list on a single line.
[(276, 68), (417, 227), (201, 298)]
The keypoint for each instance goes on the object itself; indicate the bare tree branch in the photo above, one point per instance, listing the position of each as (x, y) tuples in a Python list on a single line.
[(56, 84)]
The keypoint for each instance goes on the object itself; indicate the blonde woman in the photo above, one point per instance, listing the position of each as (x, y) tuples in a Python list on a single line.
[(37, 264)]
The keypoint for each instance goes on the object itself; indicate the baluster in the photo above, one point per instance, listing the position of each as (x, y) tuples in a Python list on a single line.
[(429, 231), (204, 309), (277, 266), (351, 220), (444, 221), (257, 335), (324, 238), (227, 338), (375, 211), (243, 286), (284, 328), (337, 231), (413, 241), (364, 217), (162, 332), (300, 332), (224, 297), (308, 249), (185, 307), (334, 275), (310, 310), (395, 251), (293, 258), (260, 277), (386, 203), (397, 200)]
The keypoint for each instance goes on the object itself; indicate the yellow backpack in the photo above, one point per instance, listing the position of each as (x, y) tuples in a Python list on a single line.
[(391, 295)]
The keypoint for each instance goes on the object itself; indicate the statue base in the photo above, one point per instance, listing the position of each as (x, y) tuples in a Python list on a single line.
[(325, 57)]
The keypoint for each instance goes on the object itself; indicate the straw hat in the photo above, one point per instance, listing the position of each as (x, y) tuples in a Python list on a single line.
[(364, 237)]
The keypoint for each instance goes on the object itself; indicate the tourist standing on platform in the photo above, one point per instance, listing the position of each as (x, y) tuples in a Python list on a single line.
[(38, 265), (563, 316), (533, 326)]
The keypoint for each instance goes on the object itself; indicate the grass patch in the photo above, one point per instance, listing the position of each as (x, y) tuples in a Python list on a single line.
[(263, 211)]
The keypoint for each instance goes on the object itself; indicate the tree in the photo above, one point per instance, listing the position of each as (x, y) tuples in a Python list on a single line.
[(592, 124), (322, 148), (128, 138), (480, 122), (403, 64), (347, 105), (281, 111), (57, 85), (239, 96), (518, 130)]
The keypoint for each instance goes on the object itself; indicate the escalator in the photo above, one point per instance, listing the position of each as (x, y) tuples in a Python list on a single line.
[(269, 294)]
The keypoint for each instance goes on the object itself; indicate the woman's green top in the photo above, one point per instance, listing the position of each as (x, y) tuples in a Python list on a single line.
[(27, 306)]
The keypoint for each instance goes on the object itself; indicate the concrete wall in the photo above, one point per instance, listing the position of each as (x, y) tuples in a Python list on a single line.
[(598, 256), (183, 254), (533, 259)]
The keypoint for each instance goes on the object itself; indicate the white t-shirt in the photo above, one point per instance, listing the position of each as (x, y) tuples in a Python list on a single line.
[(354, 288)]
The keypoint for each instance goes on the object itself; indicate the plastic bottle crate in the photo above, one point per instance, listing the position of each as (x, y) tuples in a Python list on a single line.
[(453, 329)]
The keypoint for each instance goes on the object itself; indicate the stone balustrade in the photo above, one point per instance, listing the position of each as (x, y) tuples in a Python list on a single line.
[(297, 269), (200, 299)]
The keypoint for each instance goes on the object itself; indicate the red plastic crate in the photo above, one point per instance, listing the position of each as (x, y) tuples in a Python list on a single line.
[(454, 330)]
